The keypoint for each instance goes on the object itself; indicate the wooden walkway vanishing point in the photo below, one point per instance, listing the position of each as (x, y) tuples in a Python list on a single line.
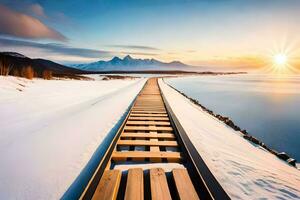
[(149, 135)]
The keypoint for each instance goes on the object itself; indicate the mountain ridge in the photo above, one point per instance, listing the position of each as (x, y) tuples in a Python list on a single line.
[(130, 63), (125, 64), (16, 61)]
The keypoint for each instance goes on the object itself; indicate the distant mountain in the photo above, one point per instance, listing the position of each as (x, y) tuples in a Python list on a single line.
[(13, 54), (131, 64), (17, 61)]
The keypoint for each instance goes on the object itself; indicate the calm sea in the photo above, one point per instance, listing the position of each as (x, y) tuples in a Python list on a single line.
[(267, 106)]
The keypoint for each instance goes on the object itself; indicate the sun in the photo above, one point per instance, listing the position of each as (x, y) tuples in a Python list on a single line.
[(280, 59)]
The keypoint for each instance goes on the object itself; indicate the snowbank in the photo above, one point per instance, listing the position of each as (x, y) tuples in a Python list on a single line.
[(50, 129), (243, 169)]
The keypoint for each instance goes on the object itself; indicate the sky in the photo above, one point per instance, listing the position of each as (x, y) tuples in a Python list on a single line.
[(238, 34)]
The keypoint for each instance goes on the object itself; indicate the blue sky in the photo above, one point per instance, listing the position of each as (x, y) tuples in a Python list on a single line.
[(204, 32)]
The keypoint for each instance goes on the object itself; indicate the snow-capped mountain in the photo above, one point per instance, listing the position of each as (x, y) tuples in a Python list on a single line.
[(131, 64)]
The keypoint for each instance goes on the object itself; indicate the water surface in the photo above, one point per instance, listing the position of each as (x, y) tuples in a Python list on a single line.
[(267, 106)]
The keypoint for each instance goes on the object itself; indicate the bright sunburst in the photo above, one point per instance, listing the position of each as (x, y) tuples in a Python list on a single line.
[(281, 63), (280, 59)]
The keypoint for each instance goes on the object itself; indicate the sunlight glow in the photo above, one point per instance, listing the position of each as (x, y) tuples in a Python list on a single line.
[(280, 59)]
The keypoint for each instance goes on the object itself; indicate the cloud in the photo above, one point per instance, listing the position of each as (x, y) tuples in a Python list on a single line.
[(54, 48), (37, 10), (13, 23), (191, 51), (135, 47), (138, 53)]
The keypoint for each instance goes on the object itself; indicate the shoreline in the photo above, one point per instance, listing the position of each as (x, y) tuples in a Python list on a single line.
[(281, 155), (165, 72)]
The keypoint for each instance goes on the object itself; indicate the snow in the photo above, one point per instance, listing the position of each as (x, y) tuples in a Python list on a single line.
[(167, 167), (244, 170), (50, 130)]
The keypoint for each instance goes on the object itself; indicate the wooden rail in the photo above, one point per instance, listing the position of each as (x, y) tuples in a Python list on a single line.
[(148, 135)]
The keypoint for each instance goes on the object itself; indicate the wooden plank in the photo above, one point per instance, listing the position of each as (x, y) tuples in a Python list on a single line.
[(150, 118), (148, 102), (155, 94), (145, 114), (148, 115), (146, 123), (152, 105), (154, 148), (117, 155), (159, 185), (158, 106), (148, 128), (148, 135), (149, 94), (108, 186), (148, 112), (184, 185), (141, 101), (172, 149), (149, 107), (147, 143), (149, 98), (135, 185)]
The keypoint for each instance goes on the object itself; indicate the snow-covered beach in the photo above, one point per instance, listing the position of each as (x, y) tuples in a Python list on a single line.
[(50, 130)]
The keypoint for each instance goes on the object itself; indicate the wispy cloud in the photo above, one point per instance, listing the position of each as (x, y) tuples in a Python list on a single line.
[(52, 48), (37, 10), (138, 53), (191, 51), (139, 47), (17, 24)]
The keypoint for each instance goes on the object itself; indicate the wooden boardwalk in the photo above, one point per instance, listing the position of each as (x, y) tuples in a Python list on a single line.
[(147, 136)]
